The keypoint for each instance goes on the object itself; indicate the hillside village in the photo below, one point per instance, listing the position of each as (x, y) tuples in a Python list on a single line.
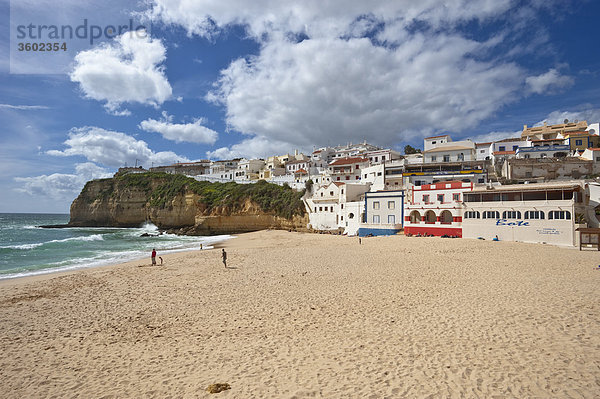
[(534, 188)]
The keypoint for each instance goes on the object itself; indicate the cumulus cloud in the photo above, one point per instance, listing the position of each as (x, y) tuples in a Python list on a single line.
[(315, 18), (589, 114), (550, 81), (180, 132), (495, 136), (345, 70), (61, 186), (127, 70), (113, 149), (255, 147), (301, 93)]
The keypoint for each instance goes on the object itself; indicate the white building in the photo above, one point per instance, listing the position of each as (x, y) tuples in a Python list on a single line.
[(347, 169), (327, 207), (384, 213), (248, 169), (537, 213), (435, 141), (457, 151), (483, 151)]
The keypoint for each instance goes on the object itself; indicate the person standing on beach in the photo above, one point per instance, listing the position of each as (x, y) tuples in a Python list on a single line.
[(224, 256), (153, 257)]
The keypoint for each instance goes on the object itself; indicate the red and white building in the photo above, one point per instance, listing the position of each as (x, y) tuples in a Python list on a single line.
[(435, 209)]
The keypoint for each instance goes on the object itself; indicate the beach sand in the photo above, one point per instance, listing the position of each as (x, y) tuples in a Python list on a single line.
[(306, 315)]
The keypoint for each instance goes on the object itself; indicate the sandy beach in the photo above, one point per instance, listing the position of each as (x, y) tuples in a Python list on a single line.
[(306, 315)]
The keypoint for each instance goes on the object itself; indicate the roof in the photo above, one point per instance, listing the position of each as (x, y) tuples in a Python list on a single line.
[(548, 140), (316, 152), (449, 148), (507, 140), (338, 183), (483, 143), (437, 137), (503, 152), (528, 187), (594, 149), (348, 161), (575, 133), (297, 161), (301, 171)]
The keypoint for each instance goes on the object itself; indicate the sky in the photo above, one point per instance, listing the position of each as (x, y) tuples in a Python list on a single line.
[(218, 79)]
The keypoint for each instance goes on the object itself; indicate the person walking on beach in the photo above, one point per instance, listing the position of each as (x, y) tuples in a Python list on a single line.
[(153, 257), (224, 256)]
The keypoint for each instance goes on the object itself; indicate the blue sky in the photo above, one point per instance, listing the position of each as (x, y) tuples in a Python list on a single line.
[(228, 78)]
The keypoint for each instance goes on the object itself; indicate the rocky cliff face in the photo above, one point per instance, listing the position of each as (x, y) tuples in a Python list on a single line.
[(119, 203)]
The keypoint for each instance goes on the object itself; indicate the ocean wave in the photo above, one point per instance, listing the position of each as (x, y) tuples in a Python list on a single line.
[(93, 237)]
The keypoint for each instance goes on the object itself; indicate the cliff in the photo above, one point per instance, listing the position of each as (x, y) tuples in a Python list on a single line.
[(184, 205)]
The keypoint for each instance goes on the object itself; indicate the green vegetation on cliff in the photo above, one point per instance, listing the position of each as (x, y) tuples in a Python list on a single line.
[(161, 188)]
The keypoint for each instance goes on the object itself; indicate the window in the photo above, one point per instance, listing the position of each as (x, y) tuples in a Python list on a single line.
[(331, 209), (391, 205), (375, 204), (597, 159), (542, 155), (391, 219), (440, 198), (461, 157), (515, 147), (357, 167), (446, 158), (426, 198), (534, 215), (347, 177), (342, 206), (456, 197), (342, 191), (578, 142), (326, 208), (526, 156), (511, 215), (376, 219), (482, 151), (320, 209), (433, 158), (501, 148), (331, 193), (350, 215), (378, 173), (376, 159), (472, 215), (433, 142), (562, 215), (491, 215)]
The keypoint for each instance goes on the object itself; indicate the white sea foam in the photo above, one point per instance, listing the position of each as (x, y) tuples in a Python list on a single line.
[(93, 237)]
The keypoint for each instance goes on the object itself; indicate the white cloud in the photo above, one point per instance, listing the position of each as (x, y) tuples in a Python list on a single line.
[(60, 186), (315, 18), (180, 132), (549, 82), (256, 147), (346, 90), (114, 149), (591, 115), (495, 136), (127, 71), (23, 107)]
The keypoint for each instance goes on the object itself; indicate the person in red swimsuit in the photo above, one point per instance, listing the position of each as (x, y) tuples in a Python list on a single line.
[(153, 257)]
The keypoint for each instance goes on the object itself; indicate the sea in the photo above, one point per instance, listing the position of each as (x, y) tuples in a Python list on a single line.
[(28, 250)]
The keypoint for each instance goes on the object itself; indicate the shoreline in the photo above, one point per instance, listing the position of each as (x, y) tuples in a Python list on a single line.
[(45, 274)]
